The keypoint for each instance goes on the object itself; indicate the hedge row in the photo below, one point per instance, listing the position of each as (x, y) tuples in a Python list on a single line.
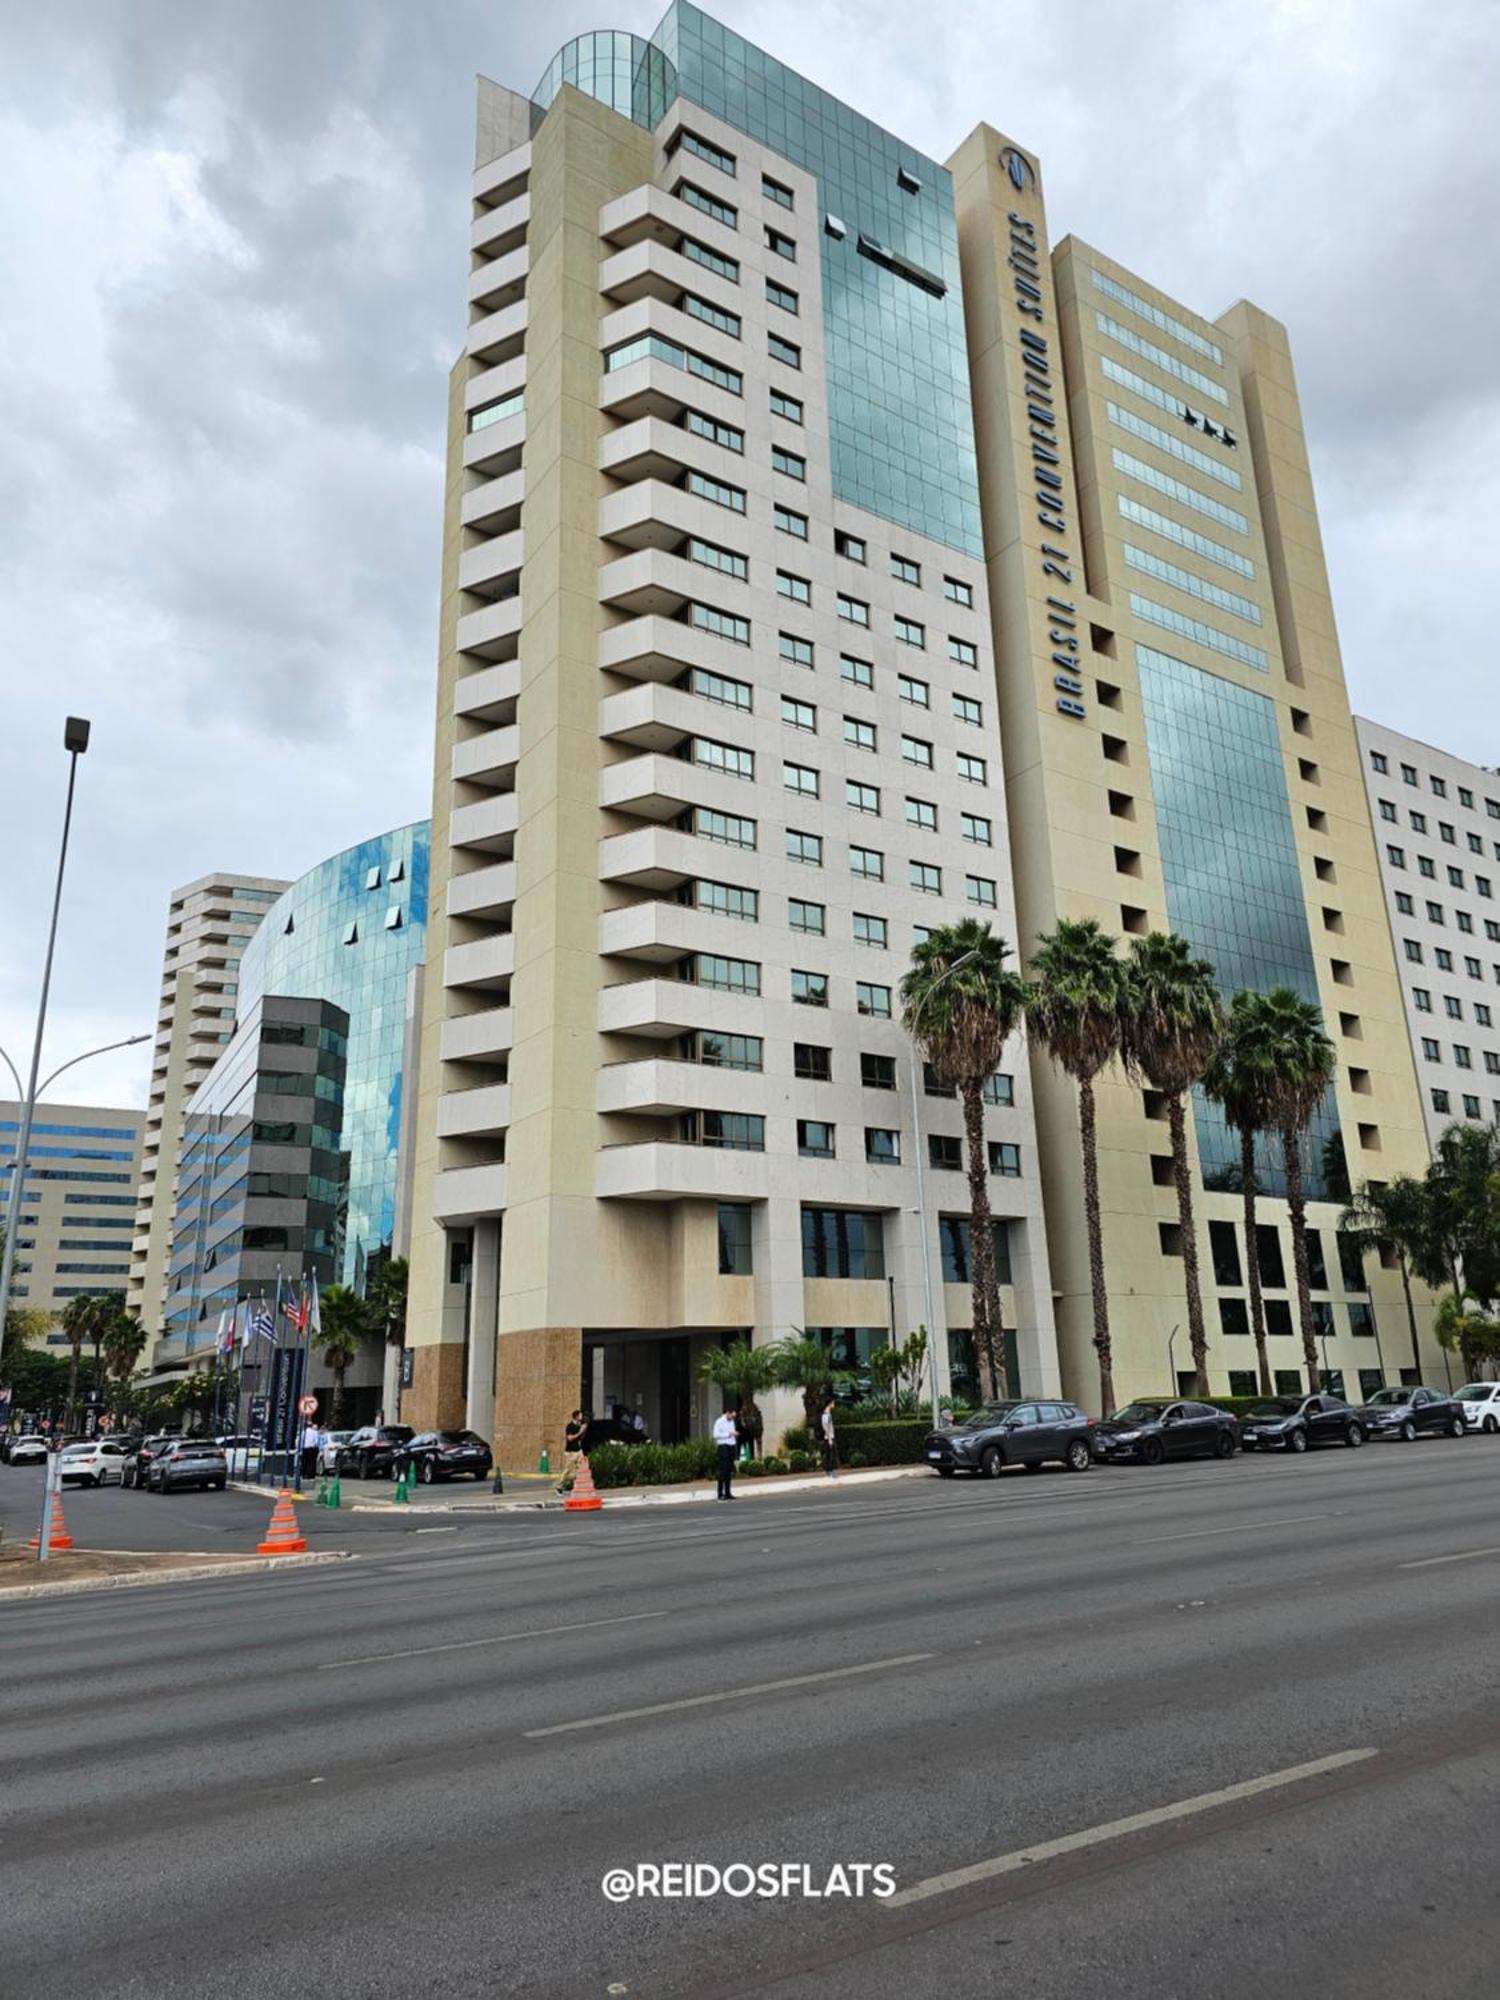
[(892, 1441), (652, 1464)]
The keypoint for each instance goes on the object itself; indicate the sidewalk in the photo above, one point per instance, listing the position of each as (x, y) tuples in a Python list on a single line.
[(530, 1492)]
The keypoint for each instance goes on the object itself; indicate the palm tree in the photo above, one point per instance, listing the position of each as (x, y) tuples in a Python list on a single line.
[(1173, 1024), (385, 1294), (1300, 1063), (1391, 1218), (1073, 1009), (801, 1362), (961, 1004), (345, 1322), (742, 1371), (77, 1325), (1236, 1080)]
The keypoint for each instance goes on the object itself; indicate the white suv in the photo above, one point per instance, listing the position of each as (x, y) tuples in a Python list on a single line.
[(1481, 1401)]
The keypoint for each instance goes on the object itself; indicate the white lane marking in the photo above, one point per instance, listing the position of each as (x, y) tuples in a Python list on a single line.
[(1463, 1556), (435, 1531), (497, 1639), (1238, 1528), (729, 1694), (1116, 1829)]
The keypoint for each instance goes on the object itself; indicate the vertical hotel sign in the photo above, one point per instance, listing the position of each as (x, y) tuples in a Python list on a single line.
[(1042, 390)]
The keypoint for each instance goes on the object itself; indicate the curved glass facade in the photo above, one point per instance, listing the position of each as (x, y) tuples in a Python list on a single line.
[(349, 932), (631, 76)]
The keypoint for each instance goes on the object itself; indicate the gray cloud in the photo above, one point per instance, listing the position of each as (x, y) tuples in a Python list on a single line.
[(235, 260)]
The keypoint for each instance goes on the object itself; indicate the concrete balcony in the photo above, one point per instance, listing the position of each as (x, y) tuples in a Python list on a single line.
[(491, 694), (650, 212), (652, 387), (662, 932), (658, 1170), (658, 1088), (485, 892), (477, 1037), (663, 1007), (652, 269), (495, 505), (480, 1113), (651, 581), (653, 515), (657, 787), (654, 717), (498, 336), (501, 227), (493, 568), (659, 649), (493, 633), (489, 759), (500, 282), (658, 857), (652, 449), (495, 448), (489, 825), (465, 1194), (499, 180), (487, 962), (494, 385)]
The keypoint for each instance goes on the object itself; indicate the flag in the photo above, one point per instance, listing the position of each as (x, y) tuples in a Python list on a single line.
[(225, 1342), (262, 1326), (317, 1311), (296, 1311)]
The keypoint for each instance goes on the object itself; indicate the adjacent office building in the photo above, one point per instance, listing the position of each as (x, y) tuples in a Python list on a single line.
[(1179, 755), (1437, 827), (77, 1202), (717, 741), (209, 923)]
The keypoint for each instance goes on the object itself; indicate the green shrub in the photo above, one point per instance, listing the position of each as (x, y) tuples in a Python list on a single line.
[(856, 1458), (897, 1441), (801, 1461), (751, 1468), (797, 1439), (773, 1463), (652, 1464)]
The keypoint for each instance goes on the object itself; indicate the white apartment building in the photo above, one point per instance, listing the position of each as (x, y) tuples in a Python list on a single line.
[(1437, 827)]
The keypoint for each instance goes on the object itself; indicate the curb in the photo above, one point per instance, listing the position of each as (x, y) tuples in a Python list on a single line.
[(137, 1578), (668, 1497), (271, 1493)]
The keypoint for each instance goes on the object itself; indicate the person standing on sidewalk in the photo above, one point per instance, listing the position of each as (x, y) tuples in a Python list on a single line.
[(575, 1435), (727, 1444), (829, 1440)]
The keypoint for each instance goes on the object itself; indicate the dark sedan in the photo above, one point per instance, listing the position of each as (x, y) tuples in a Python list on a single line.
[(1412, 1412), (445, 1455), (1014, 1433), (188, 1462), (371, 1452), (1155, 1432), (1292, 1423)]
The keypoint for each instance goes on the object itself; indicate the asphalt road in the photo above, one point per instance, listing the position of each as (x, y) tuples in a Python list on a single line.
[(409, 1773)]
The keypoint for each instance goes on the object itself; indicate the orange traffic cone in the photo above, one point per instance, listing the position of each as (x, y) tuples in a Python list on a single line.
[(583, 1499), (57, 1535), (283, 1537)]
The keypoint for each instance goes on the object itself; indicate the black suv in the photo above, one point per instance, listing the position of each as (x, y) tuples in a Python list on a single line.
[(1412, 1412), (1292, 1423), (1154, 1432), (1014, 1433), (371, 1452), (445, 1455)]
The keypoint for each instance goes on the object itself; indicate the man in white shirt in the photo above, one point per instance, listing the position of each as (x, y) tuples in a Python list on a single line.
[(726, 1439), (312, 1444)]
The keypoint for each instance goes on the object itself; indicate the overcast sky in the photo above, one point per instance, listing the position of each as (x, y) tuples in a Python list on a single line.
[(234, 242)]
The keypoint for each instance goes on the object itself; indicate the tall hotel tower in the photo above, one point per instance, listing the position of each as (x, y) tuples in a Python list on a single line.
[(717, 737)]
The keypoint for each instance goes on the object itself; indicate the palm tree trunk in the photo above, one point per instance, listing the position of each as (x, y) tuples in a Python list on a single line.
[(1192, 1284), (1252, 1259), (1411, 1314), (986, 1288), (1088, 1127), (338, 1396), (1291, 1146), (75, 1355)]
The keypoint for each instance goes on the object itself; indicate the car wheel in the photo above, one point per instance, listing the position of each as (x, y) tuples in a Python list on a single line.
[(1078, 1457), (1297, 1441), (1407, 1432), (945, 1472), (362, 1466), (426, 1471), (1456, 1427), (1153, 1452), (1225, 1447), (992, 1461), (1353, 1435), (1490, 1426)]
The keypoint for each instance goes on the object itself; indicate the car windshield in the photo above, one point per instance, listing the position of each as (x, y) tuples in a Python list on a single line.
[(992, 1413), (1284, 1406), (1138, 1413), (78, 1451), (1384, 1397), (459, 1437), (1477, 1392)]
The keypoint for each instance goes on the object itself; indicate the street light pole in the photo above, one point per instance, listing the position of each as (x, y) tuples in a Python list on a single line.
[(916, 1127), (75, 742)]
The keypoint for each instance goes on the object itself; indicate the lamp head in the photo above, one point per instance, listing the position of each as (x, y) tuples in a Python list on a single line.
[(76, 735)]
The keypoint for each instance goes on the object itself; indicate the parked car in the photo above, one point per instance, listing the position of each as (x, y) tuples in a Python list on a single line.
[(1480, 1403), (101, 1463), (1013, 1433), (1292, 1423), (28, 1450), (138, 1460), (333, 1444), (1154, 1432), (371, 1451), (188, 1462), (1411, 1411), (445, 1455)]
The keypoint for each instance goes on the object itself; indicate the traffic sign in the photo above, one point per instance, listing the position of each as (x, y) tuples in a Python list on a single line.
[(308, 1405)]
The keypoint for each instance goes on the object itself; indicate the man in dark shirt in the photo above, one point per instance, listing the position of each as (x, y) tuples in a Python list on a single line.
[(575, 1437)]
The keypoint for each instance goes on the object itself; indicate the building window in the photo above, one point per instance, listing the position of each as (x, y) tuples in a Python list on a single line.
[(781, 295), (712, 1050), (914, 691), (806, 917), (868, 863), (717, 433), (1005, 1159), (980, 890), (787, 352), (815, 1139), (734, 1240), (812, 1063), (1440, 1103), (851, 547), (955, 1240), (859, 673), (781, 246), (973, 770), (965, 709), (882, 1146), (861, 798), (804, 847), (810, 989), (872, 1001), (703, 488), (870, 931), (842, 1243), (789, 523), (958, 592), (788, 407), (906, 571), (911, 632), (726, 1131), (915, 751), (705, 149), (728, 829), (922, 813), (1378, 761), (1000, 1089), (1421, 999), (723, 975), (800, 778), (788, 462), (720, 624), (774, 191), (926, 878), (945, 1153), (853, 609), (718, 317), (797, 588), (798, 714), (877, 1072), (725, 899), (1431, 1051), (711, 260), (860, 735)]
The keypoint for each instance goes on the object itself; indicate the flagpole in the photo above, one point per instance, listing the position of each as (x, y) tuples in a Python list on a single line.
[(275, 1350)]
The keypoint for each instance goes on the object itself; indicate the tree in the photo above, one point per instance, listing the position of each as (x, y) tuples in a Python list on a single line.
[(1461, 1324), (385, 1294), (1073, 1009), (802, 1362), (1172, 1025), (77, 1324), (1461, 1244), (741, 1371), (1391, 1218), (961, 1004), (886, 1371), (345, 1323), (1237, 1080), (1300, 1063)]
